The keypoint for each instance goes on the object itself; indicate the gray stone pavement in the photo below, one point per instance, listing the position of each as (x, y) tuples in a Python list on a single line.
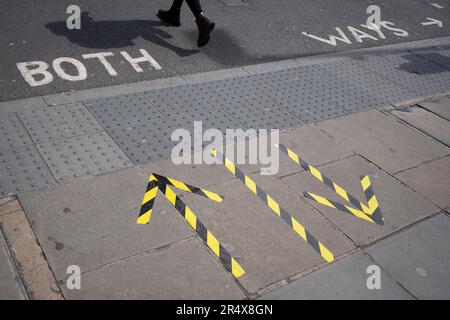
[(80, 168)]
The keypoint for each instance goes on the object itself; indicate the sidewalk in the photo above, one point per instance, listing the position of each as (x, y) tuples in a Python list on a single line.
[(79, 164)]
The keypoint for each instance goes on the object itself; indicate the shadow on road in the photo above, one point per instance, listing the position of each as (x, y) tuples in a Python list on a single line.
[(116, 34)]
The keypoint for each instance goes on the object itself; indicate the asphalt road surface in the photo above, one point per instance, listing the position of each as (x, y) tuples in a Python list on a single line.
[(247, 32)]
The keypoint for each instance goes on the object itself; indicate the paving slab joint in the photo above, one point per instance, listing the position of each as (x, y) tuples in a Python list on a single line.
[(286, 281), (32, 264)]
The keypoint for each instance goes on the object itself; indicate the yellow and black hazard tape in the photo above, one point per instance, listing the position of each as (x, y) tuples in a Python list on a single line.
[(276, 208), (147, 203), (371, 213), (186, 187), (154, 181), (162, 183)]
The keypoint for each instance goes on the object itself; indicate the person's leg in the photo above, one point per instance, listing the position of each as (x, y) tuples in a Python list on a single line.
[(204, 25), (195, 7), (171, 16), (176, 5)]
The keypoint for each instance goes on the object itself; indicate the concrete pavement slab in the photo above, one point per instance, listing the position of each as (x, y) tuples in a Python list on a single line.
[(383, 140), (400, 205), (427, 122), (181, 271), (199, 175), (431, 180), (345, 279), (439, 106), (418, 258), (313, 145), (93, 221), (10, 286), (265, 246)]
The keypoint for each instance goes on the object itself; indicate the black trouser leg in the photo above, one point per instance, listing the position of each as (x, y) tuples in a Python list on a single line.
[(194, 5)]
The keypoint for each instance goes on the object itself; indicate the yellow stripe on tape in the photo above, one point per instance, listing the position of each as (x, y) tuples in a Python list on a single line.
[(316, 173), (230, 166), (298, 228), (178, 184), (326, 254), (170, 195), (213, 196), (273, 205), (150, 195), (237, 269), (250, 184), (293, 156), (365, 182), (322, 200), (190, 218), (359, 214), (373, 204), (213, 243), (145, 218), (341, 192)]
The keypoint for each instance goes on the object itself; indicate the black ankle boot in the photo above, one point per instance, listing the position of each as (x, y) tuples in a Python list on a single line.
[(204, 29), (171, 17)]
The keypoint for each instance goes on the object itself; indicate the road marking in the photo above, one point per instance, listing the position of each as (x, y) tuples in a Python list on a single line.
[(371, 212), (432, 21), (38, 73), (157, 182), (436, 5), (358, 34), (276, 208)]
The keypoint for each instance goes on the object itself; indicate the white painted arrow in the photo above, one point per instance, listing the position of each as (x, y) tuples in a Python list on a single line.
[(432, 21)]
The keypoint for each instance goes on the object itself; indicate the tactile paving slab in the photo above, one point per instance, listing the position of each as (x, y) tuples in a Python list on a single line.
[(140, 129), (83, 155), (22, 169), (12, 132), (385, 90), (54, 123), (349, 95), (250, 102), (184, 104), (419, 76), (297, 92)]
